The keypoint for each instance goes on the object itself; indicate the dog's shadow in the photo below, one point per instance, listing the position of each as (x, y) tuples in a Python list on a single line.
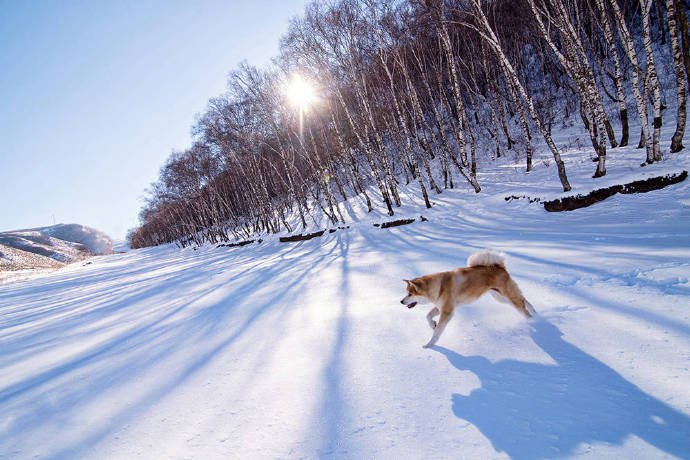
[(531, 410)]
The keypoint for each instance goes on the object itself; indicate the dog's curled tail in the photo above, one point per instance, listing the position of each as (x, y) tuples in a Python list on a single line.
[(486, 258)]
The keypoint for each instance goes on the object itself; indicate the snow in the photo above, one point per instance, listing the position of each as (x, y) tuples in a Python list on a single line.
[(294, 350), (29, 252), (94, 241)]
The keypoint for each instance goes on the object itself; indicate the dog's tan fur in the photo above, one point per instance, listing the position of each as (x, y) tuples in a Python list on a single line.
[(446, 290)]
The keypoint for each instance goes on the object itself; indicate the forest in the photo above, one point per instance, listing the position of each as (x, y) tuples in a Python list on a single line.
[(368, 96)]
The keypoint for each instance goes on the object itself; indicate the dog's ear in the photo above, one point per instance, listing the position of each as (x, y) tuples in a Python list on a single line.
[(413, 283)]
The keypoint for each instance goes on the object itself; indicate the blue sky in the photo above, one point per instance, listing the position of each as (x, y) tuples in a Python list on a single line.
[(94, 95)]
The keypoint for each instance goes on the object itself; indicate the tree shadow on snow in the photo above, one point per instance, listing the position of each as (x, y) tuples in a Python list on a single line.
[(333, 403), (531, 410), (132, 353)]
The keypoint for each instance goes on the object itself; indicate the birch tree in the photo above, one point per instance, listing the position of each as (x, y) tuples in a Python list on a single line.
[(486, 31), (646, 6), (638, 77), (677, 139)]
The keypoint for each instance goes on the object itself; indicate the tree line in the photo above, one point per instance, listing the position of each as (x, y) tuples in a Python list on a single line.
[(412, 91)]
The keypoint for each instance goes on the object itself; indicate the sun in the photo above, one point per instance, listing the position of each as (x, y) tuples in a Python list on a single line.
[(299, 92)]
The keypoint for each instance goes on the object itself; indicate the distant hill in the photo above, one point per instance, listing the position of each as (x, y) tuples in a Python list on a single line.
[(50, 247)]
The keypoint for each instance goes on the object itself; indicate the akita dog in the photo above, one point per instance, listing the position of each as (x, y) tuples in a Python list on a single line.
[(485, 271)]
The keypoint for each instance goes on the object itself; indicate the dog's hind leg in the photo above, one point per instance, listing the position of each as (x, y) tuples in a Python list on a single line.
[(530, 308), (446, 314), (512, 292), (495, 293), (430, 317)]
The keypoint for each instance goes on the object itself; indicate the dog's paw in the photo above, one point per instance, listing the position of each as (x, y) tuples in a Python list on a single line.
[(428, 345)]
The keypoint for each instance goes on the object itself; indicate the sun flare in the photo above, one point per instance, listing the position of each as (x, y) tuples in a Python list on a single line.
[(300, 93)]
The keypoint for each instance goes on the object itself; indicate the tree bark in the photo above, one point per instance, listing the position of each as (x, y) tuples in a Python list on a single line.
[(486, 31), (677, 139), (617, 75), (638, 77), (646, 6)]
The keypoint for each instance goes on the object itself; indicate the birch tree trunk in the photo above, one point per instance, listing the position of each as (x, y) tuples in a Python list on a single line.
[(677, 139), (362, 92), (502, 119), (524, 125), (324, 180), (646, 6), (440, 126), (578, 50), (574, 60), (617, 75), (366, 147), (486, 31), (411, 160), (346, 152), (406, 132), (461, 115), (638, 77), (682, 19)]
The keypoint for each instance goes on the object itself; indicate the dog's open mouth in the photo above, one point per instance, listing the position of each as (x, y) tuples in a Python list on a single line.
[(411, 305)]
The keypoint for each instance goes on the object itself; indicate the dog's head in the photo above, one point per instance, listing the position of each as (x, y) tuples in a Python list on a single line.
[(415, 292)]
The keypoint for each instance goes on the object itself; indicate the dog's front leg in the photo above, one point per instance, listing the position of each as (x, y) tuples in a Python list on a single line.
[(438, 330), (430, 317)]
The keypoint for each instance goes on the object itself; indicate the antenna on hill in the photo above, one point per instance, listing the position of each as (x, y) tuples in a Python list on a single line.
[(53, 219)]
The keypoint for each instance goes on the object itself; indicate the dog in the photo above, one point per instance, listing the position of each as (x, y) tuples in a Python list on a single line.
[(485, 271)]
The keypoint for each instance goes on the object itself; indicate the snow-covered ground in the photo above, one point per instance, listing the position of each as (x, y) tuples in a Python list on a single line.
[(94, 241), (303, 350), (25, 253)]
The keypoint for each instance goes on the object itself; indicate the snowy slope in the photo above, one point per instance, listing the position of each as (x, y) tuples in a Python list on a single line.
[(303, 350), (94, 241), (49, 247)]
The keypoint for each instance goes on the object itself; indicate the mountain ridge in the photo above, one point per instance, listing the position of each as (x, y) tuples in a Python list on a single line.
[(50, 247)]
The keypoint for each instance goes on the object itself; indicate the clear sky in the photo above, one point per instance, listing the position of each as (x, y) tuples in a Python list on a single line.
[(94, 95)]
